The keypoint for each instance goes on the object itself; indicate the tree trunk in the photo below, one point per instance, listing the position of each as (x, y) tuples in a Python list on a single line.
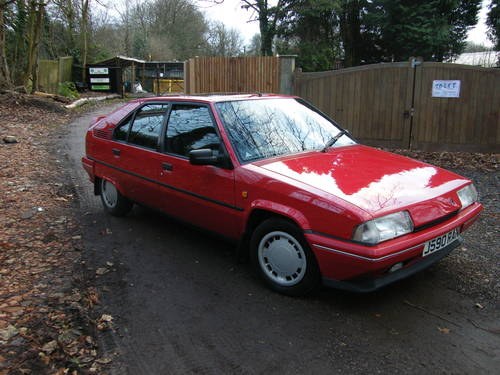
[(266, 35), (350, 32), (20, 51), (5, 80), (84, 37), (36, 17), (36, 45)]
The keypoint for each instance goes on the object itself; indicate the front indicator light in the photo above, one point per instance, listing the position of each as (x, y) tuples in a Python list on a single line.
[(467, 195)]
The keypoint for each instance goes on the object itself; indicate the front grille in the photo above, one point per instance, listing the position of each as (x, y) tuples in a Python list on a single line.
[(433, 223)]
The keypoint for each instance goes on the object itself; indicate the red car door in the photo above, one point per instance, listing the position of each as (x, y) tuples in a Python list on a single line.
[(137, 153), (200, 194)]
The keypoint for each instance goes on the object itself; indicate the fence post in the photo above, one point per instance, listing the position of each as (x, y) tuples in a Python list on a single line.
[(187, 81), (287, 68), (414, 63)]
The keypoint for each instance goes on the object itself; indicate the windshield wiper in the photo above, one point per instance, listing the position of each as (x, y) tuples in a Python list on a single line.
[(332, 140)]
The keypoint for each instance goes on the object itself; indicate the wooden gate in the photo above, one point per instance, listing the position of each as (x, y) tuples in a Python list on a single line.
[(470, 122), (392, 105), (232, 74)]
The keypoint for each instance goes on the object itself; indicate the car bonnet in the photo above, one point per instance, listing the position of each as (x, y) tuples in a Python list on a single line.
[(376, 181)]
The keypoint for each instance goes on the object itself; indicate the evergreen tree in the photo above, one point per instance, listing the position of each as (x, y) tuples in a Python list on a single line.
[(493, 23), (311, 31), (432, 29), (363, 31)]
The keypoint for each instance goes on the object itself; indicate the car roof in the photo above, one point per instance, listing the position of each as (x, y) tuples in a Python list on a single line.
[(213, 98)]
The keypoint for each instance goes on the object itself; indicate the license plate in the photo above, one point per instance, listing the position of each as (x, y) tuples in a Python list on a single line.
[(440, 242)]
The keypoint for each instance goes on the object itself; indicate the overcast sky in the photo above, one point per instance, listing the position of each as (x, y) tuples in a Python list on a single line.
[(478, 34), (231, 14)]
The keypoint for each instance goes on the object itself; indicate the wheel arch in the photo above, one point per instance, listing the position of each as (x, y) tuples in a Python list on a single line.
[(261, 208), (97, 183), (261, 211)]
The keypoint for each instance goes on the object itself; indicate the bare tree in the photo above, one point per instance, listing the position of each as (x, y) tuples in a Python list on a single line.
[(269, 18), (254, 47), (222, 41), (5, 80)]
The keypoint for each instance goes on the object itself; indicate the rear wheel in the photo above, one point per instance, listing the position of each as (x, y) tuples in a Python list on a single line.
[(113, 201), (282, 258)]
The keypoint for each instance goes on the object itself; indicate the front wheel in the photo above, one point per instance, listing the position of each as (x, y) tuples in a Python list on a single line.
[(113, 201), (283, 259)]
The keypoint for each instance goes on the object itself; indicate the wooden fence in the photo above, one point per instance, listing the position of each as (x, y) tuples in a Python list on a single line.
[(392, 105), (232, 74), (53, 72)]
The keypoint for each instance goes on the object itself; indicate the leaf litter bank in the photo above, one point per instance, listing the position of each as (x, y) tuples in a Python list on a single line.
[(45, 324)]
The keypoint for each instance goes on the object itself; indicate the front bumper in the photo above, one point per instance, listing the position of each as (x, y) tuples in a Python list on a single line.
[(371, 284), (352, 266)]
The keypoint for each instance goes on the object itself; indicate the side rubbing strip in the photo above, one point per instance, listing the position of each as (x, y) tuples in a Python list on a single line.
[(329, 249)]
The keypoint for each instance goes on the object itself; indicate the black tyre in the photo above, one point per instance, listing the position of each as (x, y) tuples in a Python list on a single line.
[(113, 201), (283, 259)]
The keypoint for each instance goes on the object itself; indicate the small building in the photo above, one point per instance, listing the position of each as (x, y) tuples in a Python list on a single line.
[(122, 74)]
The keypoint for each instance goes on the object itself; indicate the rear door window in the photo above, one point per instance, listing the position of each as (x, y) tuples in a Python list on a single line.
[(146, 128)]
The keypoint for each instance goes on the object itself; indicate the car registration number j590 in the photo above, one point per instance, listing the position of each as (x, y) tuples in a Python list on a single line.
[(440, 242)]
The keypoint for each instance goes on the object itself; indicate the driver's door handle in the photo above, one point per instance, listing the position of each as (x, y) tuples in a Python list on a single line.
[(167, 166)]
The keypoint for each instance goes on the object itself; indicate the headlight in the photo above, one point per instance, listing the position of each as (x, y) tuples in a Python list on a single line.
[(467, 195), (384, 228)]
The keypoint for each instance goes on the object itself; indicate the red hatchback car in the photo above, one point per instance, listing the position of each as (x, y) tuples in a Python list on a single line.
[(304, 200)]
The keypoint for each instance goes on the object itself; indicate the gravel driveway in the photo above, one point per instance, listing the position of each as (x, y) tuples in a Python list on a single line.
[(180, 304), (475, 268)]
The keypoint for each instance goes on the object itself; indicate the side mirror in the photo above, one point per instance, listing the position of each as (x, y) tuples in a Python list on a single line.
[(206, 156)]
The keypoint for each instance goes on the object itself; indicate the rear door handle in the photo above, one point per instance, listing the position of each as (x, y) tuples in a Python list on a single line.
[(115, 151), (167, 166)]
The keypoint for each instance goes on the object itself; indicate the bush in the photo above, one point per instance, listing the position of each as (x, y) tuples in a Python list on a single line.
[(68, 89)]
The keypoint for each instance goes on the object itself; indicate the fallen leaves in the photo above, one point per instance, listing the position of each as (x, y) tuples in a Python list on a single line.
[(7, 333), (92, 298), (455, 160), (42, 310), (101, 271), (105, 322), (444, 331), (49, 347)]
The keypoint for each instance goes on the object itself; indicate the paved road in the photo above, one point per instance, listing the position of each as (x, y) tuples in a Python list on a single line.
[(182, 305)]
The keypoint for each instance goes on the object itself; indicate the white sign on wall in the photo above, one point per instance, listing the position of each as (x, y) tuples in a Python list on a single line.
[(99, 80), (446, 88), (98, 71)]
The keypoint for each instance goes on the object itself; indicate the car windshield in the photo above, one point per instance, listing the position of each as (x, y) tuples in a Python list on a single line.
[(260, 129)]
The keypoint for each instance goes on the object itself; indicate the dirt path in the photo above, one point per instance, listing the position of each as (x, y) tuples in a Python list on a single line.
[(181, 305)]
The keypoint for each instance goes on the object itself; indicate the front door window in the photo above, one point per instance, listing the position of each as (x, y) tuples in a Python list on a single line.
[(190, 127)]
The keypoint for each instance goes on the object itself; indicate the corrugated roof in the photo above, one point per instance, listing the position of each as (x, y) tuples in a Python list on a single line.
[(132, 60)]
